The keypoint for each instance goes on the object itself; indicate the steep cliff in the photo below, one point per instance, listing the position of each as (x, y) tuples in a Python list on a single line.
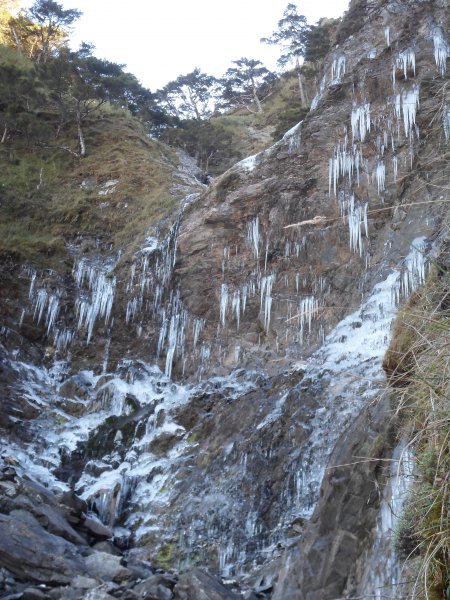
[(206, 389)]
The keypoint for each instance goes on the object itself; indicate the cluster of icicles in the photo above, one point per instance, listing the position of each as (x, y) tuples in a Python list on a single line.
[(348, 167)]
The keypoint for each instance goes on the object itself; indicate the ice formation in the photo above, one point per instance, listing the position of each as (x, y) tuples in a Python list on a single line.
[(338, 69), (253, 236), (360, 121), (405, 60), (441, 50), (410, 104)]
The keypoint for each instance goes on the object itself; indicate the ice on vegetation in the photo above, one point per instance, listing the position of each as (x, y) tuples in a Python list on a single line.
[(108, 187), (446, 122), (384, 568)]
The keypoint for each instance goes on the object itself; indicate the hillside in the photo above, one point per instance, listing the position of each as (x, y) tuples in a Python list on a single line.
[(240, 389)]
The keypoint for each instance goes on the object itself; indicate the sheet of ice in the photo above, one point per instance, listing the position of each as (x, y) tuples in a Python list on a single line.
[(248, 164), (318, 97), (338, 69), (348, 368), (292, 138)]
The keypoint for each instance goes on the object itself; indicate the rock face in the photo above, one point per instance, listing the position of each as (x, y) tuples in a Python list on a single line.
[(200, 405)]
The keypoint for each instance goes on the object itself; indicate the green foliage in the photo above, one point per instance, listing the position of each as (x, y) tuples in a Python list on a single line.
[(208, 141), (189, 96), (246, 84), (290, 36), (166, 555)]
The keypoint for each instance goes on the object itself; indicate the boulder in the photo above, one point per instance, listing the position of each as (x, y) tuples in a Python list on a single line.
[(33, 554), (198, 585), (96, 528), (106, 567), (157, 587)]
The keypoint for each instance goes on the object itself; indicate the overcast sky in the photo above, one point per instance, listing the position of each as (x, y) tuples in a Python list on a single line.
[(161, 39)]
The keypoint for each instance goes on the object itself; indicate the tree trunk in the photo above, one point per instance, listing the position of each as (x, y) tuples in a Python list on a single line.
[(5, 133), (16, 39), (81, 136), (301, 88), (257, 101)]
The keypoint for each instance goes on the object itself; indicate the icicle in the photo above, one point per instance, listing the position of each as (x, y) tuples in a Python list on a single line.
[(387, 36), (132, 307), (266, 298), (308, 308), (63, 339), (405, 60), (32, 282), (395, 166), (52, 312), (441, 50), (172, 344), (198, 327), (223, 303), (360, 121), (41, 301), (100, 305), (410, 103), (253, 236), (380, 174), (162, 335), (414, 268), (236, 307), (345, 163), (356, 215)]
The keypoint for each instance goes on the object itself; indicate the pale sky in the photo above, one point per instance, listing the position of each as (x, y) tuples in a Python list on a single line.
[(161, 39)]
